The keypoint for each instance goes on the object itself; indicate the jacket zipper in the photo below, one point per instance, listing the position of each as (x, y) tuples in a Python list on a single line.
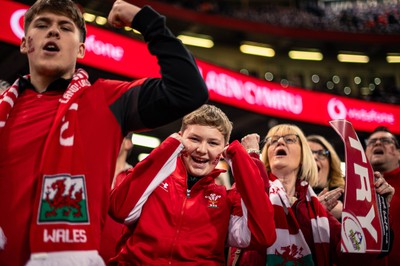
[(179, 224)]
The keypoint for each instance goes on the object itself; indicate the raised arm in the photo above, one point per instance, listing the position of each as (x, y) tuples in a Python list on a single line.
[(181, 88), (252, 220)]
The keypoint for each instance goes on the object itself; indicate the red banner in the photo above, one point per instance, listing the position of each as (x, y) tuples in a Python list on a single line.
[(365, 217), (271, 99), (119, 54)]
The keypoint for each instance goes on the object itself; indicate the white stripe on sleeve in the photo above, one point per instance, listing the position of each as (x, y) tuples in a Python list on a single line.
[(164, 172), (239, 233)]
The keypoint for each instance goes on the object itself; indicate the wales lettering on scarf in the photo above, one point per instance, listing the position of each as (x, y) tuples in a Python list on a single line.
[(64, 236)]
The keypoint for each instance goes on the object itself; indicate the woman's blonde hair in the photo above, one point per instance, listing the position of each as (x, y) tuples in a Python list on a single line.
[(308, 168), (335, 175)]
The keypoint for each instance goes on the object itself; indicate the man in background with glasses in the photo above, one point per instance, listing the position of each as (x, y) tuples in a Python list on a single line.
[(383, 152)]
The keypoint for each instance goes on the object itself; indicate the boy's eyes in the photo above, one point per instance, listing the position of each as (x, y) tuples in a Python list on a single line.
[(41, 25), (66, 28), (211, 143), (45, 25)]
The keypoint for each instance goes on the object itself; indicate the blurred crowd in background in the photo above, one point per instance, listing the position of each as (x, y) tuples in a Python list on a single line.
[(381, 17)]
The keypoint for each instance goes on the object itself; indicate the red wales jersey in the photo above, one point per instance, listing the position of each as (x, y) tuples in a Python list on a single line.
[(22, 140)]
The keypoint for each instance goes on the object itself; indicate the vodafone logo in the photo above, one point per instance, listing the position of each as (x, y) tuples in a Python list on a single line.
[(336, 109), (16, 22), (104, 49)]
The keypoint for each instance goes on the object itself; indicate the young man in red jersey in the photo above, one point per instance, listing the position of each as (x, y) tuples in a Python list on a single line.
[(60, 135)]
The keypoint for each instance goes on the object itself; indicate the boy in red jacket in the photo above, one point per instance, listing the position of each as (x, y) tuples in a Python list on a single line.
[(175, 211)]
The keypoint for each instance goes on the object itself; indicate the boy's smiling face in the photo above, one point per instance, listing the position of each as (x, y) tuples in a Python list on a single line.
[(52, 44), (203, 148)]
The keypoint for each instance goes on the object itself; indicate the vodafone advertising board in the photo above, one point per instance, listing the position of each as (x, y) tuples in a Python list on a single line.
[(294, 103), (129, 57)]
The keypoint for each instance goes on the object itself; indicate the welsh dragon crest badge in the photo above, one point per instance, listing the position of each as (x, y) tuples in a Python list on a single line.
[(63, 199)]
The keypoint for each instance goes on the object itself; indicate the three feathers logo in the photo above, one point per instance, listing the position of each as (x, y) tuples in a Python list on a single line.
[(213, 200)]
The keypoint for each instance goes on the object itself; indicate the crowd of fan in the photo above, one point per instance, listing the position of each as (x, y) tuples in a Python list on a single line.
[(358, 16), (343, 16)]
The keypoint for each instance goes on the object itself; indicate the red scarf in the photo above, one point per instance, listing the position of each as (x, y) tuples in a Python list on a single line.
[(290, 247), (61, 171)]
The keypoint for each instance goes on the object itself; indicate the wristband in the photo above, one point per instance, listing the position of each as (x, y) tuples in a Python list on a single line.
[(253, 151)]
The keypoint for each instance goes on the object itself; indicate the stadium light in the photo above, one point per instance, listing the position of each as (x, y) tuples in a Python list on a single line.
[(101, 20), (89, 17), (198, 40), (257, 49), (346, 57), (393, 58), (311, 55), (145, 141)]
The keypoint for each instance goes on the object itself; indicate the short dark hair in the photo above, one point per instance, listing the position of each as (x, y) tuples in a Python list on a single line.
[(385, 129), (66, 8)]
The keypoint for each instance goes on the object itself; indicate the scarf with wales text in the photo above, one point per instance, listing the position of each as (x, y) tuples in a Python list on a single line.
[(60, 210), (290, 247)]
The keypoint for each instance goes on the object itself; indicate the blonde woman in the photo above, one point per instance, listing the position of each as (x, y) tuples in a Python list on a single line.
[(307, 234)]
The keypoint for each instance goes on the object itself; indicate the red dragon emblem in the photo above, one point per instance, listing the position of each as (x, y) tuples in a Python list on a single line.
[(291, 254), (60, 200)]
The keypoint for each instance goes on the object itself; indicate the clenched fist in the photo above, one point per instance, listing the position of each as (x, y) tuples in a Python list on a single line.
[(122, 14)]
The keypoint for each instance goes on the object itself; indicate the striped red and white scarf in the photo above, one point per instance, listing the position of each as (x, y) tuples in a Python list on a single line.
[(78, 84), (290, 247), (61, 155)]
